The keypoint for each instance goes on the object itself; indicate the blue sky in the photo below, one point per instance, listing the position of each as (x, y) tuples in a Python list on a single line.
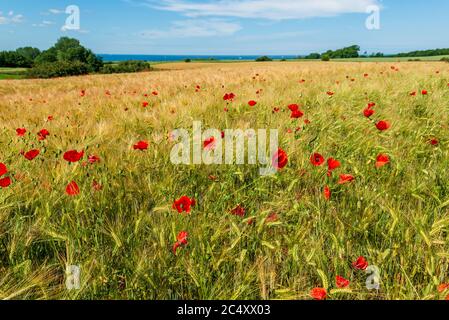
[(234, 27)]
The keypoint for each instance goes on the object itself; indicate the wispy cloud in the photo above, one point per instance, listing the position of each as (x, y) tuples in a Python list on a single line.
[(44, 23), (56, 11), (194, 28), (11, 18), (263, 9)]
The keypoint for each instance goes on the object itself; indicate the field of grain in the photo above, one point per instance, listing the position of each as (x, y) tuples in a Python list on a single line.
[(110, 211)]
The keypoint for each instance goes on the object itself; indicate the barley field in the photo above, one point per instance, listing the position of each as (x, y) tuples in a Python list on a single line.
[(86, 180)]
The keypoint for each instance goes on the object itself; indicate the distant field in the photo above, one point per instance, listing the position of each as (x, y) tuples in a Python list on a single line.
[(18, 73), (387, 59), (12, 73)]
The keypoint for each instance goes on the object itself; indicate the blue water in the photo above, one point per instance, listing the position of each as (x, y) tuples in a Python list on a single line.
[(160, 58)]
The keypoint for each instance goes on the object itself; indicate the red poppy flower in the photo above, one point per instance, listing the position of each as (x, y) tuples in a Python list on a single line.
[(145, 104), (360, 264), (382, 159), (5, 182), (183, 204), (341, 282), (424, 92), (93, 159), (72, 189), (296, 114), (73, 156), (327, 193), (96, 186), (3, 169), (181, 240), (141, 145), (21, 132), (383, 125), (273, 217), (413, 93), (293, 107), (333, 164), (252, 103), (276, 110), (318, 293), (317, 159), (330, 93), (346, 178), (209, 143), (238, 211), (280, 159), (434, 142), (229, 97), (50, 118), (82, 93), (443, 287), (43, 134), (154, 93), (368, 112), (31, 155)]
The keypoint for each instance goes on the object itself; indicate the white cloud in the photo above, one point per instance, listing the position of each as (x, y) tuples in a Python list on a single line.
[(11, 18), (44, 23), (264, 9), (56, 11), (194, 28)]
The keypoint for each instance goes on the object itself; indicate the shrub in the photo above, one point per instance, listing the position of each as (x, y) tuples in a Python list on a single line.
[(325, 57), (58, 69), (70, 50), (313, 56), (126, 67), (445, 59), (188, 60), (12, 59), (263, 59)]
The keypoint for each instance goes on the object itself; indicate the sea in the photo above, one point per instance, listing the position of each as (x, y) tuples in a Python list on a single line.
[(172, 58)]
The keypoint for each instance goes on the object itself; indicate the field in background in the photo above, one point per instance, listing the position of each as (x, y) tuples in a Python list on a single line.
[(19, 73), (12, 73), (290, 239)]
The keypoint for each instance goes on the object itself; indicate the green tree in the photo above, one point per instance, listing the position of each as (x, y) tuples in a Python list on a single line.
[(70, 50), (313, 56)]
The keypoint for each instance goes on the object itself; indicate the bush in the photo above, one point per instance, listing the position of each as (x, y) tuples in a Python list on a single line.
[(263, 59), (12, 59), (70, 50), (58, 69), (325, 58), (313, 56), (445, 59), (188, 60), (126, 67)]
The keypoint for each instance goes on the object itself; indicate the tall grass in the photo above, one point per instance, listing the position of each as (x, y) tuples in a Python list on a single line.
[(121, 237)]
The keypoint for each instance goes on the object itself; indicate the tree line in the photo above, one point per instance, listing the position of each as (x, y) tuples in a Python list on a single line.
[(353, 52), (66, 58)]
